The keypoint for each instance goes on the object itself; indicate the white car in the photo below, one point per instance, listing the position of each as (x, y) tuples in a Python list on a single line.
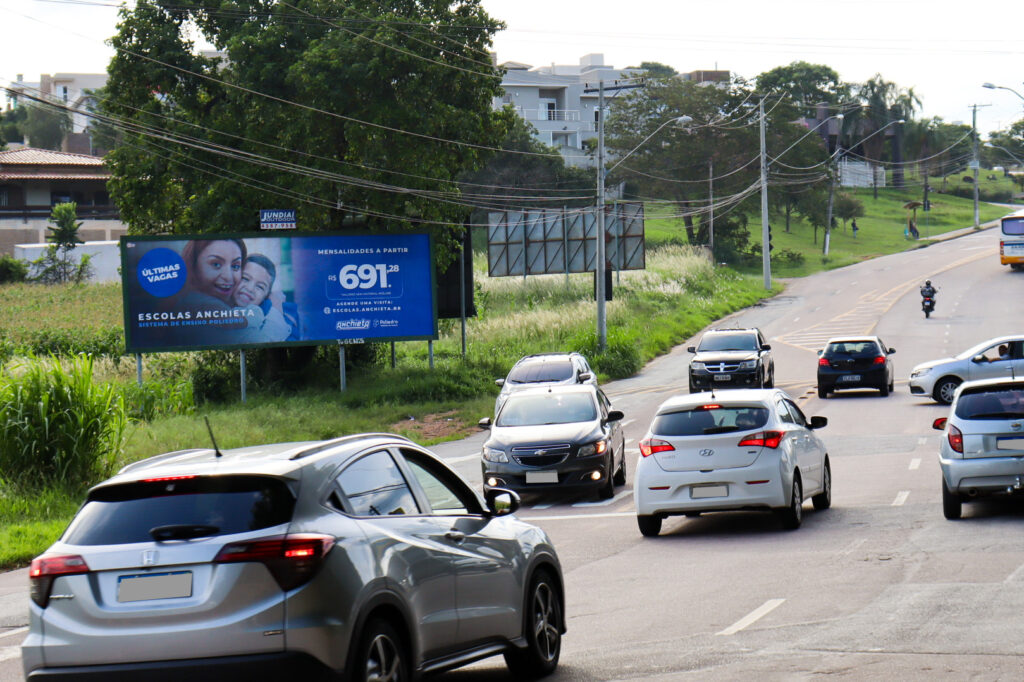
[(983, 451), (986, 360), (746, 449)]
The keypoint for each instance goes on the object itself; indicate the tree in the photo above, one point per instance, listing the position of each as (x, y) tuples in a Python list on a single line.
[(56, 265), (807, 84), (848, 207), (882, 103), (657, 69), (44, 127), (346, 110)]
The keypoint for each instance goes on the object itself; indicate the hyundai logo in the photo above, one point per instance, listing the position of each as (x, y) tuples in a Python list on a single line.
[(706, 452), (149, 557)]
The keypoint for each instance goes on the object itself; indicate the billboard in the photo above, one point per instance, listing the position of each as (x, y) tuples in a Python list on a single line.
[(203, 292)]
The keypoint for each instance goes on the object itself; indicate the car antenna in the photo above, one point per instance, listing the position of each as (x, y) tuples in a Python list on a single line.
[(216, 450)]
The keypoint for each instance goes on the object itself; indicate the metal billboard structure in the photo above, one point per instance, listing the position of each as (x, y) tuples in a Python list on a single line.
[(562, 241)]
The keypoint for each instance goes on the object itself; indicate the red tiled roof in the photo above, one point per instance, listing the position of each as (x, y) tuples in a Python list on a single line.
[(52, 174), (29, 156)]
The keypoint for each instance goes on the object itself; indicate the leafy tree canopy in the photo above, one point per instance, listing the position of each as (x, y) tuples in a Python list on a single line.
[(808, 84), (44, 127), (343, 110), (657, 69)]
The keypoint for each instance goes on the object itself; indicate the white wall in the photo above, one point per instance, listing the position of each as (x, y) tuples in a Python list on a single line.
[(105, 258)]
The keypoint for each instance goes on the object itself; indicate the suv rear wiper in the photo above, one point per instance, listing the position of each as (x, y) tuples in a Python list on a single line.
[(182, 531)]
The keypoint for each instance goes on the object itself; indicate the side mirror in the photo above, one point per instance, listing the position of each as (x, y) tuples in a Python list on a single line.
[(821, 351), (940, 423), (614, 416), (501, 501), (499, 382), (977, 359), (484, 423), (818, 422), (691, 349), (584, 376), (766, 346), (891, 351)]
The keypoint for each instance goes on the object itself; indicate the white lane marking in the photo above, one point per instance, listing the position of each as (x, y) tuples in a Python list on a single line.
[(629, 440), (633, 451), (627, 422), (1013, 576), (915, 463), (605, 503), (15, 631), (796, 319), (9, 652), (464, 458), (901, 497), (543, 506), (752, 617), (923, 440), (852, 547), (570, 517)]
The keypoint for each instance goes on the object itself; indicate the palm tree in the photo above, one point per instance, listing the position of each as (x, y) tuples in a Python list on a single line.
[(883, 103)]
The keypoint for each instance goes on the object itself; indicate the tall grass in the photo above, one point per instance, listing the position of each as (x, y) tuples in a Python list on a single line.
[(58, 426)]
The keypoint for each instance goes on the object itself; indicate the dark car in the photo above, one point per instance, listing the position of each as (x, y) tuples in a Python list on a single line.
[(736, 358), (855, 362), (562, 437), (545, 369)]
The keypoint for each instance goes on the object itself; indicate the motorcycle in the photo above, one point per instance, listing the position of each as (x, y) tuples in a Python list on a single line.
[(927, 305)]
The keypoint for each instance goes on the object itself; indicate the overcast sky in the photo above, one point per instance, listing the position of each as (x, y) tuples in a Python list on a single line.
[(943, 50)]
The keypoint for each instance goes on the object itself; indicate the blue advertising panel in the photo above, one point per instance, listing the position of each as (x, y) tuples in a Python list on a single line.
[(238, 291)]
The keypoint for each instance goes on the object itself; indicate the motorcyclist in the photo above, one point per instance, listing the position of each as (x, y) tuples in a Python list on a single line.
[(928, 291)]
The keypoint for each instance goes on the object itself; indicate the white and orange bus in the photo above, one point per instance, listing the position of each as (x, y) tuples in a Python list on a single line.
[(1011, 240)]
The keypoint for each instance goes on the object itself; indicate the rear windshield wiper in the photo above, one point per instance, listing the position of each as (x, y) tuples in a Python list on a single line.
[(182, 531)]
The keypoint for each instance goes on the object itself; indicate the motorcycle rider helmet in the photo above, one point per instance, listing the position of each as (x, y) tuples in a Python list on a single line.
[(927, 282)]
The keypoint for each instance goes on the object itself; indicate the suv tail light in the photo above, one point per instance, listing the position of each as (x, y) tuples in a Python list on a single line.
[(46, 568), (956, 439), (648, 446), (879, 360), (291, 559), (823, 362), (764, 439)]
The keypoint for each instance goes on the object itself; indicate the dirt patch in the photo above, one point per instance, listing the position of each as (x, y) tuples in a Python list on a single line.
[(431, 426)]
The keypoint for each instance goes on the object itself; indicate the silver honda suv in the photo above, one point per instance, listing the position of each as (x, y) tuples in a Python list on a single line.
[(364, 556)]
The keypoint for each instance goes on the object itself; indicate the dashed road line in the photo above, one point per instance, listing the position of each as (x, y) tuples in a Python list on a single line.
[(901, 497), (604, 503), (752, 617), (571, 517), (15, 631), (8, 653), (915, 463), (464, 458)]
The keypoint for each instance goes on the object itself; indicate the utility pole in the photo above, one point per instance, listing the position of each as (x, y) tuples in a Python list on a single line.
[(766, 261), (828, 209), (975, 161), (602, 324), (711, 205)]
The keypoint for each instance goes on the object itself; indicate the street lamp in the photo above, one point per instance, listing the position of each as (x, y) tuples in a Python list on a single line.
[(602, 173), (990, 86), (1011, 154)]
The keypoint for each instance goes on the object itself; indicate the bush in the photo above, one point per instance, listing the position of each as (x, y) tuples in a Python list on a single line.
[(12, 270), (58, 426), (620, 359), (158, 398)]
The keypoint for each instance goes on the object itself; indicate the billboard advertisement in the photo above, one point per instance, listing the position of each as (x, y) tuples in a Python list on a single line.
[(236, 291)]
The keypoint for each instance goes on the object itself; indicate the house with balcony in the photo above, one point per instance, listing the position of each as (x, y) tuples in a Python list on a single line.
[(32, 181), (561, 100), (74, 90)]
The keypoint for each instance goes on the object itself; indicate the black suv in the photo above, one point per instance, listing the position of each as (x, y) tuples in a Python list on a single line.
[(737, 358)]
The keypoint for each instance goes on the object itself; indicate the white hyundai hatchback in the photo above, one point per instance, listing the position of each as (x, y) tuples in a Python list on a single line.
[(748, 449)]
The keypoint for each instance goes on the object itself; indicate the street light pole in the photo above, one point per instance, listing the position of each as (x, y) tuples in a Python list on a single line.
[(602, 325), (766, 261)]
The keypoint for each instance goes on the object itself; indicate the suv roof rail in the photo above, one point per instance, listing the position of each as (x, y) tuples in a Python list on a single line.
[(342, 440)]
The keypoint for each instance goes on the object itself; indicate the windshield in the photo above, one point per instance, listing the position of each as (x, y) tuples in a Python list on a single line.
[(549, 408), (541, 372), (720, 341), (710, 419), (1013, 226), (1004, 403)]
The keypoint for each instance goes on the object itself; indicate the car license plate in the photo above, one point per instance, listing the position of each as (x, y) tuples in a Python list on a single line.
[(542, 477), (723, 377), (1010, 443), (154, 586), (699, 492), (850, 377)]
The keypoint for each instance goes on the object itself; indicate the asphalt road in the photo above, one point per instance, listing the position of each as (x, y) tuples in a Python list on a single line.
[(880, 586)]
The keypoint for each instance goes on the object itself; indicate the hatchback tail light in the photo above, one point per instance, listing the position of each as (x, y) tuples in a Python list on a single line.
[(648, 446), (956, 439), (764, 439), (879, 360), (291, 559), (46, 568), (823, 362)]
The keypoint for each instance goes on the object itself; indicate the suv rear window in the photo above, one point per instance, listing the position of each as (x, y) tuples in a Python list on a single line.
[(854, 349), (728, 341), (701, 421), (121, 514), (1001, 404), (542, 371)]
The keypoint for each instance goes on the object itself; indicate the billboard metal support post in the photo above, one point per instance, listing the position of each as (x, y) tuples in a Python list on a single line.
[(341, 364), (430, 352), (394, 359), (241, 365), (462, 295), (138, 368)]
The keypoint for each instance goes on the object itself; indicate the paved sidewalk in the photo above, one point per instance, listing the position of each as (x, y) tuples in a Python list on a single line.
[(14, 598)]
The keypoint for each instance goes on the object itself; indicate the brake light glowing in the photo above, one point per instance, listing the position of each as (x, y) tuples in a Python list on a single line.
[(710, 407), (764, 439), (823, 362), (45, 569), (291, 559), (956, 439), (161, 479), (648, 446), (880, 360)]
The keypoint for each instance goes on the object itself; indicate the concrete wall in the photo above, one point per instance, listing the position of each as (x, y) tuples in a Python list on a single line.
[(33, 231), (105, 257)]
